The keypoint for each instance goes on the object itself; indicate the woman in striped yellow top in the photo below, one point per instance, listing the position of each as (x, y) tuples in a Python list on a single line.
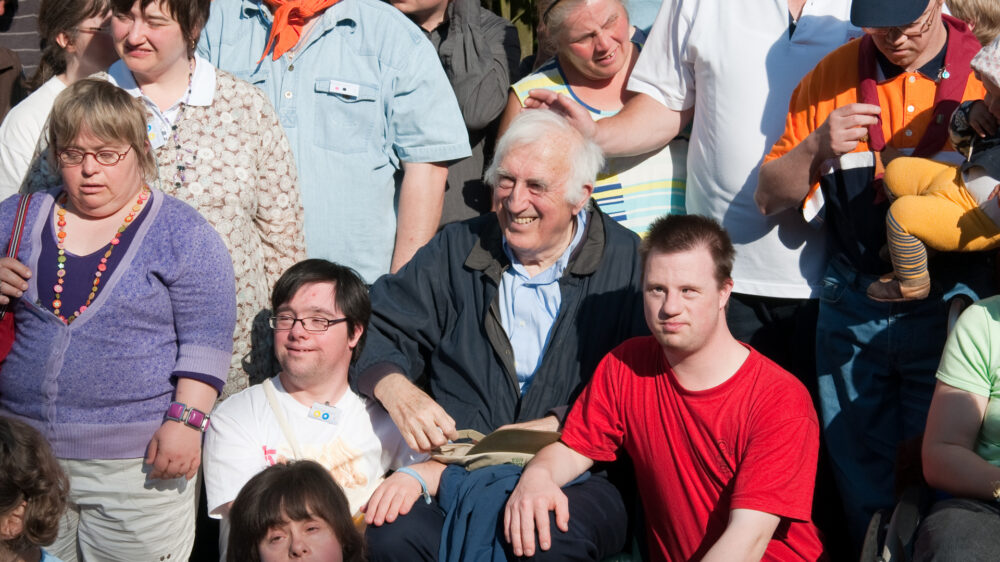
[(596, 48)]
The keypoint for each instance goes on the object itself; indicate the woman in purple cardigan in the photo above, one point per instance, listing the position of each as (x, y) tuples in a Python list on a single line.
[(124, 304)]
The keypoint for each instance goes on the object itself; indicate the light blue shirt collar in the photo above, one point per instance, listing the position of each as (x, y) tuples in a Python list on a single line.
[(343, 12), (529, 306)]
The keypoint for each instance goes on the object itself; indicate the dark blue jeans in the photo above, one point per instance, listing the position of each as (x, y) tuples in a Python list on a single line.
[(876, 363), (598, 521)]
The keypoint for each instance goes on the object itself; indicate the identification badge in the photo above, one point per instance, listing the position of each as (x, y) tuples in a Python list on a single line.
[(324, 413), (343, 88), (156, 140)]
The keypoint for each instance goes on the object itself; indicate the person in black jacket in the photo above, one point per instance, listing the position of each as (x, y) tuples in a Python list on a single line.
[(500, 320)]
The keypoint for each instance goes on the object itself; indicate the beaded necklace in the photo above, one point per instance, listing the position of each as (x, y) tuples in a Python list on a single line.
[(101, 267), (179, 174), (179, 178)]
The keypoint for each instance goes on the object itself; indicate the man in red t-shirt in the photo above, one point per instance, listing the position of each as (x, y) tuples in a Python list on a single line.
[(724, 441)]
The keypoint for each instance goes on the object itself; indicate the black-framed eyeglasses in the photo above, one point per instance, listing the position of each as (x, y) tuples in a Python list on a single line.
[(102, 29), (911, 31), (74, 157), (310, 323)]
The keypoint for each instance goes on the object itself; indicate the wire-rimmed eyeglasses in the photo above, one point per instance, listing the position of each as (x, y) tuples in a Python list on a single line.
[(75, 157)]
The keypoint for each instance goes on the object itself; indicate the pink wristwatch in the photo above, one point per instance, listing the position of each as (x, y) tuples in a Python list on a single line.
[(191, 417)]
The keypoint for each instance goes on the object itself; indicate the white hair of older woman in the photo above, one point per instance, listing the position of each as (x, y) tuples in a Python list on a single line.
[(544, 126)]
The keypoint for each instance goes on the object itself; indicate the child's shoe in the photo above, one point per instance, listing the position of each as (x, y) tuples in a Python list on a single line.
[(890, 289)]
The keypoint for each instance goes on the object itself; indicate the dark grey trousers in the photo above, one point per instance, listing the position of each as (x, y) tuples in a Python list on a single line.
[(959, 529)]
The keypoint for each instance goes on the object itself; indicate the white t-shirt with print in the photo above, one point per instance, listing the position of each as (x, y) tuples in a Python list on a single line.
[(244, 438)]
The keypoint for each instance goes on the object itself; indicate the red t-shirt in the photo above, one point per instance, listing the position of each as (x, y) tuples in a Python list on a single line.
[(749, 443)]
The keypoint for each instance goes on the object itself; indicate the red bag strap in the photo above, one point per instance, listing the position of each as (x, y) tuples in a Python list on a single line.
[(15, 236), (18, 229)]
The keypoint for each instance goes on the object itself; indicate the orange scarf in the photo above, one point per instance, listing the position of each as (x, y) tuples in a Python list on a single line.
[(289, 18)]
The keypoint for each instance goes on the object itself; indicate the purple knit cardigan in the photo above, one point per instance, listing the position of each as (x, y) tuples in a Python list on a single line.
[(98, 388)]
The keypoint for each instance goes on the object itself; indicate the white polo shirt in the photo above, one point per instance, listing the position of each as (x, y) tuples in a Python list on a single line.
[(735, 63)]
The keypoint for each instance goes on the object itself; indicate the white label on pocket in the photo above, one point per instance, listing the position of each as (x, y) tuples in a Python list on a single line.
[(343, 88)]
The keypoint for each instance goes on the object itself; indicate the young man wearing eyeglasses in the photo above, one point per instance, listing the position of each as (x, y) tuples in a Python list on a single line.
[(320, 314), (891, 92)]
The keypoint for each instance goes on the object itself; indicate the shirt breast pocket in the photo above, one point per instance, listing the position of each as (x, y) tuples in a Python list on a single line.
[(346, 115), (258, 77)]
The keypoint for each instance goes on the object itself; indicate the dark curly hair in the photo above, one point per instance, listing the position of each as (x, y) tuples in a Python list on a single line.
[(296, 491), (30, 473)]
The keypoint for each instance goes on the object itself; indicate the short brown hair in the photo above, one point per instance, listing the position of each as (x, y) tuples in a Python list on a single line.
[(30, 473), (297, 491), (191, 15), (680, 233), (983, 15), (108, 112)]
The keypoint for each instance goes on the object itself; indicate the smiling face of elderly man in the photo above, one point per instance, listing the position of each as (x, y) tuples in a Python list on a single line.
[(536, 193)]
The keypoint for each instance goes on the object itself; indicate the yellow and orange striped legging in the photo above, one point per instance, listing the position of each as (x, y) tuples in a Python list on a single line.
[(932, 207)]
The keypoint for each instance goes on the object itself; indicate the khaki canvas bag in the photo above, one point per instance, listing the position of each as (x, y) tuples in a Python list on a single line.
[(505, 446)]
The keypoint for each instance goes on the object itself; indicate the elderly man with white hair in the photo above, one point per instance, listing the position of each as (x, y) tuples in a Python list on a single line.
[(502, 319)]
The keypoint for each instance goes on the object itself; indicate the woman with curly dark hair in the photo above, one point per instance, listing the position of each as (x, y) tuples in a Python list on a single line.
[(293, 511), (33, 490)]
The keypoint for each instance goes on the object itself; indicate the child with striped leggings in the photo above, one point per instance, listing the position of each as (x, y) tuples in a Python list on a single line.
[(946, 207)]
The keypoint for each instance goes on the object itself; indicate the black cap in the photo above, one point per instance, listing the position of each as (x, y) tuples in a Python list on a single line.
[(886, 13)]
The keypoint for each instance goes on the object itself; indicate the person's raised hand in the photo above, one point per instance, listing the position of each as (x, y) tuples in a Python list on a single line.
[(421, 421), (14, 277), (844, 128), (576, 114)]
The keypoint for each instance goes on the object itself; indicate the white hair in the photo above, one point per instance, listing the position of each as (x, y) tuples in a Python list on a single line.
[(536, 126)]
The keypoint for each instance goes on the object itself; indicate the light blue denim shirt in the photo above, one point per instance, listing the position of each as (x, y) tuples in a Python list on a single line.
[(364, 92), (529, 306)]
